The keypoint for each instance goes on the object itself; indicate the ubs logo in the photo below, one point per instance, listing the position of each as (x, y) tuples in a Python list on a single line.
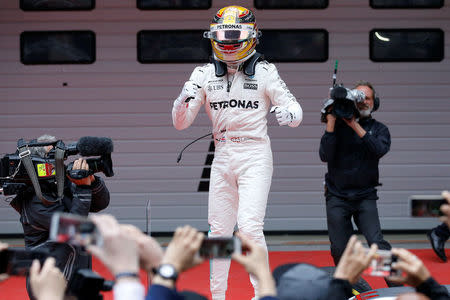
[(215, 87)]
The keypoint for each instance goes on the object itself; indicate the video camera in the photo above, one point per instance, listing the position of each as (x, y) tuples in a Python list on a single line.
[(86, 284), (18, 261), (25, 168), (343, 103)]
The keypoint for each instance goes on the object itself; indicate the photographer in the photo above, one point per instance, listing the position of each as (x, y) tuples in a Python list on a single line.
[(181, 255), (47, 283), (355, 260), (352, 148), (439, 235), (123, 254), (417, 275), (81, 196)]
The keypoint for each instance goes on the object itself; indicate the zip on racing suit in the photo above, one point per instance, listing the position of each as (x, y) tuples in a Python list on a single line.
[(241, 171)]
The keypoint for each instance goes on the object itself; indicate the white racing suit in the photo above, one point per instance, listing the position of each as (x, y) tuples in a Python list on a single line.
[(241, 171)]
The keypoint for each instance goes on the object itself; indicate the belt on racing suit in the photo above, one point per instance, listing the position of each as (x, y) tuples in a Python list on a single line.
[(234, 139), (203, 136)]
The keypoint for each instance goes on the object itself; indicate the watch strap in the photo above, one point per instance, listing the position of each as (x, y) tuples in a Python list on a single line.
[(126, 274)]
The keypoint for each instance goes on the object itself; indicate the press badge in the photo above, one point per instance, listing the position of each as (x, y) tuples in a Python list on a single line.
[(45, 170)]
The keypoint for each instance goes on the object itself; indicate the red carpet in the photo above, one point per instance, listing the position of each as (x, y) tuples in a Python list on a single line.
[(239, 287)]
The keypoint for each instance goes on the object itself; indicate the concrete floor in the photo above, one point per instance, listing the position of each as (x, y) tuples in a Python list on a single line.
[(321, 242), (311, 242), (305, 242)]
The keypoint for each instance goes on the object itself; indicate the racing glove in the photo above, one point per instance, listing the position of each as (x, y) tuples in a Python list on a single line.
[(188, 93), (288, 115)]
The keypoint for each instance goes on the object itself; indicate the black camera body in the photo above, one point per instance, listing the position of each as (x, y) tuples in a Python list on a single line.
[(343, 103), (18, 261), (14, 176), (86, 284)]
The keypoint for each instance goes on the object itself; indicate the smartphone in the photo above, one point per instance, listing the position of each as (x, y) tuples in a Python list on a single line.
[(74, 229), (18, 261), (381, 264), (220, 247), (426, 205)]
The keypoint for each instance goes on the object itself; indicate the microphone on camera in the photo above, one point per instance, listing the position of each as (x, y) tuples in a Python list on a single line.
[(94, 146)]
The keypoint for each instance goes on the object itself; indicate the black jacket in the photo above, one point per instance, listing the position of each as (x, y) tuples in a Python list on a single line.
[(353, 161), (35, 216), (433, 290)]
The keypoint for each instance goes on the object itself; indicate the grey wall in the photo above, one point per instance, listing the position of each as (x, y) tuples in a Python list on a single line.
[(131, 103)]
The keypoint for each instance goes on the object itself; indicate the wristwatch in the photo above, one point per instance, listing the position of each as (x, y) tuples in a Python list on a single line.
[(166, 271)]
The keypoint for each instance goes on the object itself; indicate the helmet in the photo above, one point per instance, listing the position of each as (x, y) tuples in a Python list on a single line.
[(233, 34)]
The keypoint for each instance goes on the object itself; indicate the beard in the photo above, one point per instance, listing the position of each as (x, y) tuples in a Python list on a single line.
[(365, 113)]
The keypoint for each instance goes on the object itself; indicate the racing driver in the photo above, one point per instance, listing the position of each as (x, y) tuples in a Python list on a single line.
[(237, 89)]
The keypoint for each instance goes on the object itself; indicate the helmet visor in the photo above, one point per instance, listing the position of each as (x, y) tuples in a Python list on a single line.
[(230, 36), (231, 33)]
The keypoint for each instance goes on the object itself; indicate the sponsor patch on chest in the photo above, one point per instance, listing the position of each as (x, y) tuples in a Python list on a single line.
[(215, 87), (250, 86), (233, 103)]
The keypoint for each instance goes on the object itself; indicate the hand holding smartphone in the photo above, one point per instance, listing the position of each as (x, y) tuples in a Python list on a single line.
[(220, 247), (74, 229), (381, 264), (426, 205), (18, 261)]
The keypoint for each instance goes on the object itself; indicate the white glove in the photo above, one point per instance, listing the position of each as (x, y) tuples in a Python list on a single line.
[(188, 92), (291, 116)]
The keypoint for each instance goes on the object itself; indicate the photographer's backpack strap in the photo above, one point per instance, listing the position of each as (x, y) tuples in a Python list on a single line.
[(25, 157)]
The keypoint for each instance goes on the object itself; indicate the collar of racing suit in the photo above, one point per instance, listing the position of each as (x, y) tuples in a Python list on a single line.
[(248, 66)]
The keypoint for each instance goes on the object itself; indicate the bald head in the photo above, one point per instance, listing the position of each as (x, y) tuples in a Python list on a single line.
[(412, 296)]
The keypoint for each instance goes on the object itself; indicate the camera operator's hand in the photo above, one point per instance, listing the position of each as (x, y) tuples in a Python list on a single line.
[(330, 117), (150, 252), (119, 252), (81, 164), (414, 269), (330, 120), (326, 115), (255, 262), (355, 126), (445, 208), (47, 283), (350, 122), (326, 109), (354, 260), (3, 246)]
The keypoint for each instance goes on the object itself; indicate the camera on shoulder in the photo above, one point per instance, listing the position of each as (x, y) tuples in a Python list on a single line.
[(28, 167), (342, 103)]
